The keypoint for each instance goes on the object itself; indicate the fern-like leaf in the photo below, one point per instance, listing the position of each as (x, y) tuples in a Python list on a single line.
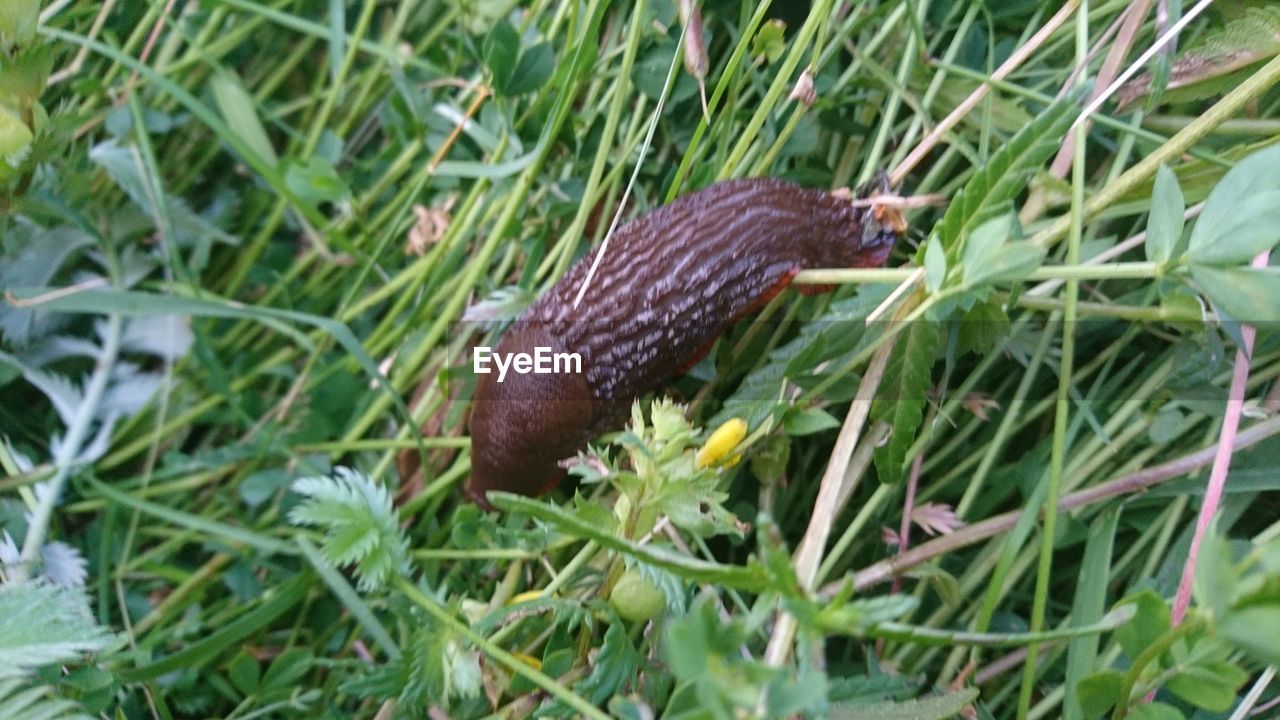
[(900, 400), (20, 701), (41, 623), (1005, 175), (361, 526)]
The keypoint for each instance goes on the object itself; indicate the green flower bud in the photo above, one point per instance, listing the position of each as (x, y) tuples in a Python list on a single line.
[(635, 598), (18, 20), (15, 137)]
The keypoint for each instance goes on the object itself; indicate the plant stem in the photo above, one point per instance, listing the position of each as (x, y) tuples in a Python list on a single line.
[(1071, 271), (511, 662), (69, 448), (1221, 459), (884, 570)]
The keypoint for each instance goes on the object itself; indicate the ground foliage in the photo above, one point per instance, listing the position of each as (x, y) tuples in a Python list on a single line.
[(238, 238)]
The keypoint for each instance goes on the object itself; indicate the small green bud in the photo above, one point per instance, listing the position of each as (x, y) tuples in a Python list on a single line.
[(15, 138), (18, 20), (636, 598)]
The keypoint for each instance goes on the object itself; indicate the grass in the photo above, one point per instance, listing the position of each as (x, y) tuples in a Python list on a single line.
[(212, 295)]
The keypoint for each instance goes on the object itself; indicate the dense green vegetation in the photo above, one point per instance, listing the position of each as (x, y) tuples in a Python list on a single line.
[(239, 238)]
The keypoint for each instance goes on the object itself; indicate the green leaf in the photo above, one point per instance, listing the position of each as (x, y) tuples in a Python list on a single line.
[(361, 526), (615, 666), (1088, 605), (1165, 221), (1155, 711), (263, 166), (1217, 236), (1254, 227), (989, 257), (288, 667), (1255, 630), (346, 594), (901, 398), (808, 422), (981, 327), (500, 49), (1209, 685), (1214, 584), (316, 182), (935, 266), (750, 577), (534, 69), (770, 40), (124, 165), (141, 304), (927, 708), (1098, 692), (42, 623), (1006, 174), (244, 672), (237, 107), (20, 701), (194, 655), (1247, 294), (199, 523), (1152, 620)]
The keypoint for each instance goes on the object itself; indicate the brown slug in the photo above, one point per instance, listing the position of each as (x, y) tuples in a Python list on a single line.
[(669, 284)]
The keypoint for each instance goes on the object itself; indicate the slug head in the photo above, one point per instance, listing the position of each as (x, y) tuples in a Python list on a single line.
[(882, 225), (521, 428)]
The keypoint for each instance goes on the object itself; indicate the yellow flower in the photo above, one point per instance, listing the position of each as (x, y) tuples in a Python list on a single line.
[(721, 443)]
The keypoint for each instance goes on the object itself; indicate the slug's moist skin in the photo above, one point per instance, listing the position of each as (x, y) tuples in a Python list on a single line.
[(669, 284)]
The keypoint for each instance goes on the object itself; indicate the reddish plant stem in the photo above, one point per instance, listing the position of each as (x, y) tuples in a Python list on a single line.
[(1221, 461), (886, 569)]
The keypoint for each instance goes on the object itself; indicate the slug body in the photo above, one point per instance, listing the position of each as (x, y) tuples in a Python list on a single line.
[(669, 284)]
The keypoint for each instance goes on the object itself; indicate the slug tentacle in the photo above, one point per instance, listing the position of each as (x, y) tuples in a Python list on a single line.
[(669, 284)]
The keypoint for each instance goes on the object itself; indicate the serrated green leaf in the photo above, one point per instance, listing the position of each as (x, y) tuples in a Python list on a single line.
[(1005, 175), (22, 701), (936, 707), (42, 623), (749, 577), (828, 336), (1165, 221), (361, 526), (614, 667), (900, 399), (1247, 294)]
